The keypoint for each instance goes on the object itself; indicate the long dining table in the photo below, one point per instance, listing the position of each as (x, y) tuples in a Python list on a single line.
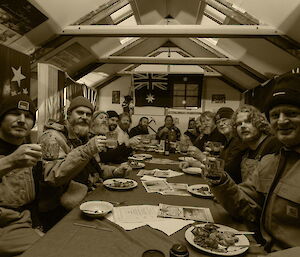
[(68, 240)]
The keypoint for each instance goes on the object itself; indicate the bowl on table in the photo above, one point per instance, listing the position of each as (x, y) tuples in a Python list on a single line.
[(96, 209)]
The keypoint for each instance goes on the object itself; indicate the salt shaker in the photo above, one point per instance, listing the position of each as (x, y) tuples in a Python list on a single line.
[(179, 250)]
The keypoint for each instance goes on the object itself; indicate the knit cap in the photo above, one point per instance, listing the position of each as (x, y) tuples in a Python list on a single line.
[(80, 101), (19, 102)]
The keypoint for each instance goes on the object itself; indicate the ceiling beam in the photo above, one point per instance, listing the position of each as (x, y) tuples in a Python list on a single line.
[(217, 31), (168, 60), (206, 74)]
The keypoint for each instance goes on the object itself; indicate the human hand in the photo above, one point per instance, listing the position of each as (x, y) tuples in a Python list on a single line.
[(100, 143), (213, 170), (196, 153), (134, 140), (183, 165), (122, 171), (26, 155)]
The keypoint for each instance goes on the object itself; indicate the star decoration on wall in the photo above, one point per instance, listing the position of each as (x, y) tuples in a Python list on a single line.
[(18, 76), (150, 98)]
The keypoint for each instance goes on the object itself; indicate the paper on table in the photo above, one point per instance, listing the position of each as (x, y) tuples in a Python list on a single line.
[(168, 226), (177, 189), (135, 213), (149, 178), (156, 186), (160, 173), (162, 161)]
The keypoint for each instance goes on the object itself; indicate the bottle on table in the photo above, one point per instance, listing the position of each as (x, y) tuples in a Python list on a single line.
[(167, 146)]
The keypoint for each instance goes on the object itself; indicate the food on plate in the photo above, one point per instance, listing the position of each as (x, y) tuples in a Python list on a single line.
[(118, 183), (136, 164), (204, 190), (211, 238)]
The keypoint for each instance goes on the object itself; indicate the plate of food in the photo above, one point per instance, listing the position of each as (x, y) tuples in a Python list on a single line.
[(187, 159), (217, 239), (192, 170), (136, 165), (120, 183), (200, 190), (143, 156)]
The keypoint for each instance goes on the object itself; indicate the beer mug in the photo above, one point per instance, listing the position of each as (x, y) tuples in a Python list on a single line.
[(111, 139)]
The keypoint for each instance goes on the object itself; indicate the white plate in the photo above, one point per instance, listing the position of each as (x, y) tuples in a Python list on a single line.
[(231, 250), (144, 156), (120, 183), (196, 190), (96, 209), (192, 170), (187, 159), (133, 158)]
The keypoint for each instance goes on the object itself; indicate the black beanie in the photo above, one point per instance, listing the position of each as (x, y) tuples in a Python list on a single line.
[(286, 91), (80, 101), (19, 102), (112, 114), (224, 112)]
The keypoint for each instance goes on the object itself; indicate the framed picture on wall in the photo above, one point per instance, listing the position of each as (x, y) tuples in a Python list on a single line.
[(218, 99), (115, 97)]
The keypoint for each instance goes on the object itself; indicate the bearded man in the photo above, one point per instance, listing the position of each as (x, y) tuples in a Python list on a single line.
[(69, 165), (141, 128)]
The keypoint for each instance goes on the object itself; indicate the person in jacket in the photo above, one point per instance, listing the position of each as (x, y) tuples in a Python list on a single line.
[(99, 123), (18, 175), (119, 125), (168, 129), (70, 164), (141, 128), (271, 194), (192, 131)]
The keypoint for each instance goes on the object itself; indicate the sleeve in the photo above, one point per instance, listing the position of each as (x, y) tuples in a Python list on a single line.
[(60, 167), (290, 252), (242, 201), (116, 155)]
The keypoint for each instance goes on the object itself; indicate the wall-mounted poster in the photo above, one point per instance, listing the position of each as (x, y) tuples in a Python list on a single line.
[(218, 99), (115, 97)]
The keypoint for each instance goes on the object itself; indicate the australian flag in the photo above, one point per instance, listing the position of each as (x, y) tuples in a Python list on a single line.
[(152, 90)]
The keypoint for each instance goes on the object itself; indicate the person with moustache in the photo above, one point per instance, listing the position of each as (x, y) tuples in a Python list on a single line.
[(119, 125), (208, 131), (19, 175), (99, 124), (168, 129), (70, 167), (270, 195), (141, 128)]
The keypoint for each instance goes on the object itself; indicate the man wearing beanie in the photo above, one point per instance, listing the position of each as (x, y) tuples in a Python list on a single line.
[(69, 163), (270, 196), (18, 172)]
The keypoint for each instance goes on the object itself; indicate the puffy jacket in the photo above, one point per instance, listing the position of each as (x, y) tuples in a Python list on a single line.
[(271, 196)]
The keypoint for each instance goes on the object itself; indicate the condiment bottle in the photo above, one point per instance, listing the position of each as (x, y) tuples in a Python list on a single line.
[(167, 146), (179, 250)]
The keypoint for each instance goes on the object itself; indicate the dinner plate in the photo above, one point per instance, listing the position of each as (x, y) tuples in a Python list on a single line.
[(200, 190), (120, 183), (96, 209), (192, 170), (238, 248), (143, 156), (187, 159)]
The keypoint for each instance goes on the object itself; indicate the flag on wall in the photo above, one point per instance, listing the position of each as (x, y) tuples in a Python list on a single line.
[(14, 72), (152, 90)]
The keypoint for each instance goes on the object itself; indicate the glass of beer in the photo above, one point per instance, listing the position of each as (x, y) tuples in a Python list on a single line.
[(111, 139)]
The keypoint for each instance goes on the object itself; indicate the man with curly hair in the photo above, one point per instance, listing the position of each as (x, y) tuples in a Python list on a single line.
[(254, 130)]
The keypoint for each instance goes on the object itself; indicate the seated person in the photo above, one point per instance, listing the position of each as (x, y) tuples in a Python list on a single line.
[(99, 123), (70, 167), (18, 175), (192, 131), (209, 131), (168, 129), (119, 125), (270, 195), (141, 128)]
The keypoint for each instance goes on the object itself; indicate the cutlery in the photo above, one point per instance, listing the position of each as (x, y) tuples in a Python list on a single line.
[(95, 211), (92, 226)]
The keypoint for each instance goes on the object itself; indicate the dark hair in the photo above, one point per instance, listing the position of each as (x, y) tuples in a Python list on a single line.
[(142, 119), (208, 114), (168, 116), (258, 120)]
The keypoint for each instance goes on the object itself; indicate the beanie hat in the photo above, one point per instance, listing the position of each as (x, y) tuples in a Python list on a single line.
[(112, 114), (19, 102), (80, 101), (286, 91), (95, 115), (224, 112)]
